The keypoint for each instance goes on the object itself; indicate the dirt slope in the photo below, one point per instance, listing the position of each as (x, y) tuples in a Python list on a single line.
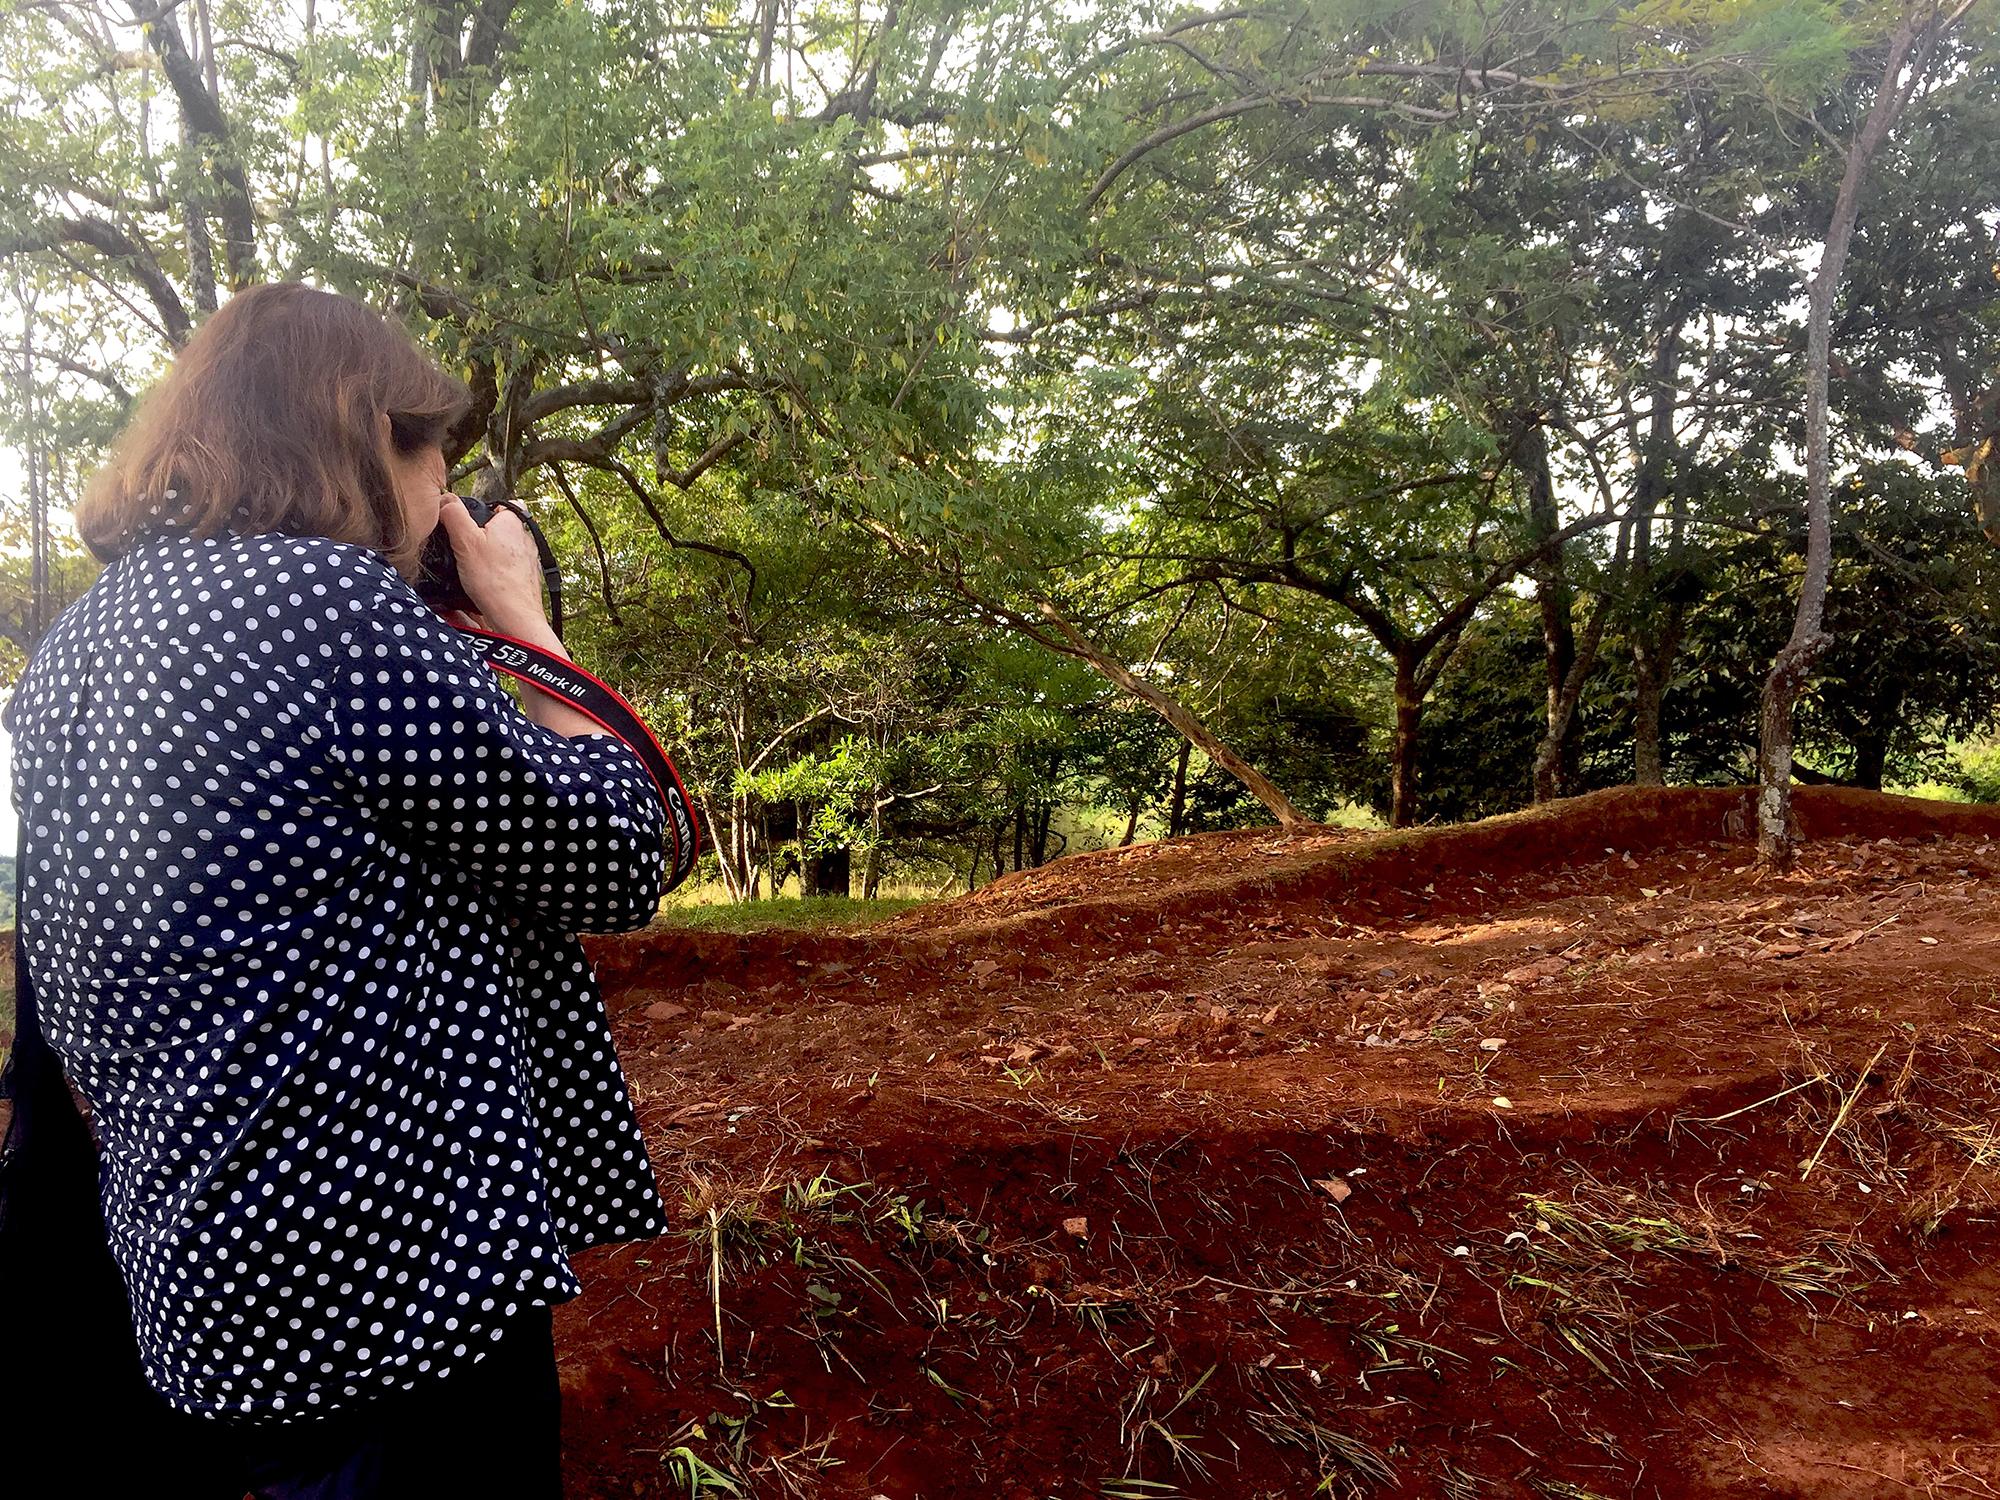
[(1562, 1154)]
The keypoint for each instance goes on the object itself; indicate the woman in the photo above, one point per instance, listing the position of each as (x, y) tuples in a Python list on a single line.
[(299, 896)]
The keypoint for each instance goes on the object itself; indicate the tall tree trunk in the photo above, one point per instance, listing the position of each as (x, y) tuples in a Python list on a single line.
[(1656, 632), (1403, 756), (1776, 838), (1654, 646), (1132, 820)]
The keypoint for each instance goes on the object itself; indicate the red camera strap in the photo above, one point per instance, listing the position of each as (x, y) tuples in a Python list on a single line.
[(596, 699)]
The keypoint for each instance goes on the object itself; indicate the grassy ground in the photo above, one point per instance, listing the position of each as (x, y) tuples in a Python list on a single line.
[(810, 912)]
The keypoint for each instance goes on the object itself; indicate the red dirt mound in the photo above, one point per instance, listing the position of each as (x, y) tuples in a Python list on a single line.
[(1560, 1154)]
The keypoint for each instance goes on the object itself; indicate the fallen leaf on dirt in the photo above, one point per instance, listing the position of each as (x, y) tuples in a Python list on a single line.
[(984, 967), (1501, 1101), (1492, 1044), (1930, 940), (1649, 893), (661, 1010), (1541, 968), (1334, 1188), (1078, 1226), (1781, 950)]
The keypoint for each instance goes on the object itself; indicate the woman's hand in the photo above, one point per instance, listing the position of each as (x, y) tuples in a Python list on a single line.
[(539, 704), (498, 568)]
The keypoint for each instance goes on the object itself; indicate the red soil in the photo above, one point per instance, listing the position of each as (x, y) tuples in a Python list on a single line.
[(1182, 1169), (1185, 1164)]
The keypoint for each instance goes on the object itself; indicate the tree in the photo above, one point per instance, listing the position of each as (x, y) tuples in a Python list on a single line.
[(1910, 47)]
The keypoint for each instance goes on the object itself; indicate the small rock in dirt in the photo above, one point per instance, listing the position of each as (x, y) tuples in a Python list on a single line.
[(1492, 1044), (1374, 1039), (661, 1010), (1334, 1188), (1386, 973), (1078, 1226)]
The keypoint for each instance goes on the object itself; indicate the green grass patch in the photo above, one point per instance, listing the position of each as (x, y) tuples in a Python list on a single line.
[(810, 913)]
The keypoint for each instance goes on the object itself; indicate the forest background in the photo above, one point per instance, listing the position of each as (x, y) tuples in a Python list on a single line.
[(973, 429)]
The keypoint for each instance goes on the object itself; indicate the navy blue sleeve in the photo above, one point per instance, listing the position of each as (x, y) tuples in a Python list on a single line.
[(570, 831)]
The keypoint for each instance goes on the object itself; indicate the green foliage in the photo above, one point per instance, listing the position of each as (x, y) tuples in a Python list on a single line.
[(1306, 358)]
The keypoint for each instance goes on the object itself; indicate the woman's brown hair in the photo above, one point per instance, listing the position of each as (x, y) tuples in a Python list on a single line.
[(269, 420)]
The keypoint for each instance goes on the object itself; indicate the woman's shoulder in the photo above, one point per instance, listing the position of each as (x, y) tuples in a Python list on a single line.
[(259, 575)]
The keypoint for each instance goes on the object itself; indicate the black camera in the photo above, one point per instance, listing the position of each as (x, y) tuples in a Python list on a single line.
[(439, 583)]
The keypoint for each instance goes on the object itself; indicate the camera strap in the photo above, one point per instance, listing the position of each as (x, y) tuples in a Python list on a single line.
[(596, 699)]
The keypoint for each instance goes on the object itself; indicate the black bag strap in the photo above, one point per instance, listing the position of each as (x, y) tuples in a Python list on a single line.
[(597, 699)]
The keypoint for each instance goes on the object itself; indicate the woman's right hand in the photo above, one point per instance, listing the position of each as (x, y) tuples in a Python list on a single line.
[(498, 567)]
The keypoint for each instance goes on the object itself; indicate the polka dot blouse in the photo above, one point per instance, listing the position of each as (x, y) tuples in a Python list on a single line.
[(301, 883)]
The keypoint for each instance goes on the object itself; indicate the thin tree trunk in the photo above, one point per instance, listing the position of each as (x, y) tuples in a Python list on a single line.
[(1655, 634), (1554, 754), (1554, 599), (194, 230), (871, 860), (1131, 823), (1776, 837)]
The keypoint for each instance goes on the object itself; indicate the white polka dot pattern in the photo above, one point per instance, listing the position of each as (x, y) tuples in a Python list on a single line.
[(303, 882)]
